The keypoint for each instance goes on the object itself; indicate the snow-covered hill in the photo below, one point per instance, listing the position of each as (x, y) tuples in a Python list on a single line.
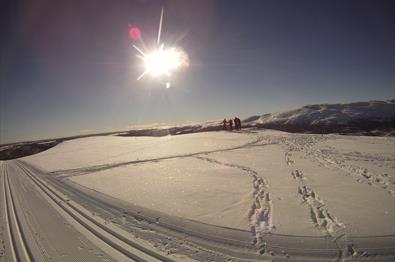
[(359, 118), (373, 117)]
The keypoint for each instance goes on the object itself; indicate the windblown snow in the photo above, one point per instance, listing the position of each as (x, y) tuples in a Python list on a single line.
[(260, 181)]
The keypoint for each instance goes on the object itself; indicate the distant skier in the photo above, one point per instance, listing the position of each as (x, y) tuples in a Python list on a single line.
[(224, 124), (237, 123)]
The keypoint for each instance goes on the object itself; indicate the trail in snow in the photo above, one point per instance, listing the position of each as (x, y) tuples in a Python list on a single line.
[(322, 217), (97, 168), (319, 213), (305, 144), (261, 212), (361, 175)]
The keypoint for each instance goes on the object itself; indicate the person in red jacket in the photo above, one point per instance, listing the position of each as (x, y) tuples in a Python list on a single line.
[(224, 124)]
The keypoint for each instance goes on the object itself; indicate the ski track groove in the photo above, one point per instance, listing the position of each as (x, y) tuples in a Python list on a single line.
[(67, 206), (18, 242), (260, 214)]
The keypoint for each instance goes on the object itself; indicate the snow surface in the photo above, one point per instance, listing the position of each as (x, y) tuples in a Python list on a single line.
[(183, 187), (102, 150), (263, 181)]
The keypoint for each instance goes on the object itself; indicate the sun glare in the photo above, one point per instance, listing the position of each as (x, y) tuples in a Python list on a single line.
[(160, 61), (163, 62)]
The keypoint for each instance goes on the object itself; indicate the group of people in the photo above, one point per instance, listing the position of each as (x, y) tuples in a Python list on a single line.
[(228, 125)]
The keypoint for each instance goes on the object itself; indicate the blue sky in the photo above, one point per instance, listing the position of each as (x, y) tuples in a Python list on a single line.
[(67, 67)]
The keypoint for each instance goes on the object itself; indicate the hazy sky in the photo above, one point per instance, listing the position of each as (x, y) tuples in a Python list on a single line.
[(67, 67)]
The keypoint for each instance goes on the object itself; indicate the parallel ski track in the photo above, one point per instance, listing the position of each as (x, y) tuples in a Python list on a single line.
[(19, 248), (69, 208)]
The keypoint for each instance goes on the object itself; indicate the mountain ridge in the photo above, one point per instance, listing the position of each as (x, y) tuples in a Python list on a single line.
[(364, 118)]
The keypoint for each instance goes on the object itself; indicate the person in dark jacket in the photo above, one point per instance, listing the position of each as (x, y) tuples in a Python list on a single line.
[(236, 123), (231, 124), (239, 122)]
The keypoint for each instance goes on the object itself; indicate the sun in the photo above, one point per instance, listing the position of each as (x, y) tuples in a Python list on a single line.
[(163, 62), (160, 61)]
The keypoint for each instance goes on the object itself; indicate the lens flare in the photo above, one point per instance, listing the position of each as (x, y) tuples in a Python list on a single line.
[(134, 33)]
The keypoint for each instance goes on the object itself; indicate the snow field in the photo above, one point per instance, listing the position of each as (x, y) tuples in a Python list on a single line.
[(185, 187), (262, 181), (103, 150)]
